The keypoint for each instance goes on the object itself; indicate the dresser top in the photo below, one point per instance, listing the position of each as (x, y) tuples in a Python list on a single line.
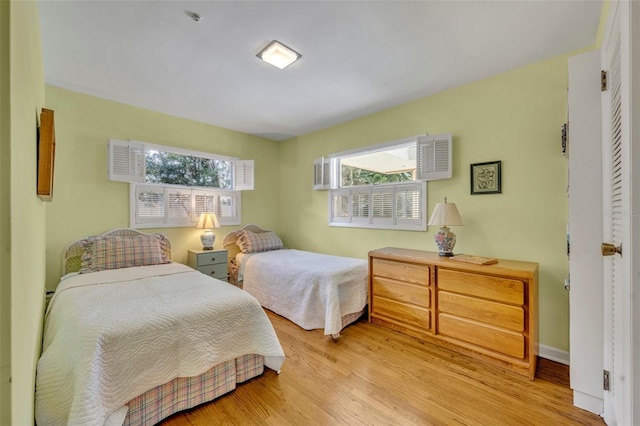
[(503, 267)]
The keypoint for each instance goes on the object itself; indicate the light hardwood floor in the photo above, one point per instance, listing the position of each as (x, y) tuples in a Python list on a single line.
[(375, 376)]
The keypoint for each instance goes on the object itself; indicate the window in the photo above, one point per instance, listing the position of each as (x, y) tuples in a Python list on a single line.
[(387, 206), (157, 206), (384, 186), (171, 187)]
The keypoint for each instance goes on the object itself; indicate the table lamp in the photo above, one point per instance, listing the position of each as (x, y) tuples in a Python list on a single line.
[(445, 214), (208, 221)]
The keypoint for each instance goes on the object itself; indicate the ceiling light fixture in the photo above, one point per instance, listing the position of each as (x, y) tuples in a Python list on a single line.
[(278, 55)]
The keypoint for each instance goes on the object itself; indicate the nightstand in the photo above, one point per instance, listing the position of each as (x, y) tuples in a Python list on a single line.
[(210, 262)]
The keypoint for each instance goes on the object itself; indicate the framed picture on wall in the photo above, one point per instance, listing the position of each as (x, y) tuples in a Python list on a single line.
[(46, 155), (486, 178)]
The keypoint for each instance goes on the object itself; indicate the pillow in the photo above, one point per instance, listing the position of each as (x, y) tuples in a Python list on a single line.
[(114, 252), (251, 242), (165, 247)]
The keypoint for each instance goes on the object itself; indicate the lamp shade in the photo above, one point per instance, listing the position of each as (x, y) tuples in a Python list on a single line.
[(445, 214), (208, 221)]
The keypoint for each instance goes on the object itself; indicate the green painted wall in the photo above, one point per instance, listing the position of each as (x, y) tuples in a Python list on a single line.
[(86, 202), (26, 243), (514, 117), (5, 220)]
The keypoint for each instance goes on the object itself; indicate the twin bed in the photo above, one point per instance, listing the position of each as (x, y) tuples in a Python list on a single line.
[(315, 291), (131, 337)]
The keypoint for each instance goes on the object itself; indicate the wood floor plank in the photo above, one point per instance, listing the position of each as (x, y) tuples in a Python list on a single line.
[(376, 376)]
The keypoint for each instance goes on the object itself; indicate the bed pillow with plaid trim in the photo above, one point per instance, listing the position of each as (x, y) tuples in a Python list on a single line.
[(251, 242), (115, 252)]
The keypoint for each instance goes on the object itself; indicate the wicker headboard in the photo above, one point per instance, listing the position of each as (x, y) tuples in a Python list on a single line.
[(72, 254), (229, 242)]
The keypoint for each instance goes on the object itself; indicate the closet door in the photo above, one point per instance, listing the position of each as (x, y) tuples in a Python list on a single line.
[(585, 224)]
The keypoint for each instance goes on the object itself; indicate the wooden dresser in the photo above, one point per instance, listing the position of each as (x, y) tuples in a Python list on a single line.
[(487, 311)]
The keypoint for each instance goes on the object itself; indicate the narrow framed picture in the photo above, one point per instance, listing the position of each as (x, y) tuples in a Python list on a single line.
[(46, 155), (486, 178)]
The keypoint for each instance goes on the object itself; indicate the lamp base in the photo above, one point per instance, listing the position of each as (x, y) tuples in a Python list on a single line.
[(445, 240), (207, 238)]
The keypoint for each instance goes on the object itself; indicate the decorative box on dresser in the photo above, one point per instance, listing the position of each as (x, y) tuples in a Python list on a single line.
[(209, 262), (487, 311)]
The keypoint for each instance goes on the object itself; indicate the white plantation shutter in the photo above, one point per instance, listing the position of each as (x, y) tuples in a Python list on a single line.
[(321, 173), (228, 207), (162, 206), (386, 206), (180, 205), (148, 204), (339, 206), (409, 204), (382, 205), (204, 201), (360, 205), (243, 175), (126, 161), (434, 157)]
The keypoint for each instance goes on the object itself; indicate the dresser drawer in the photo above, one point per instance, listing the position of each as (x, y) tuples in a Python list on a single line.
[(498, 314), (489, 337), (417, 274), (401, 291), (213, 258), (216, 271), (489, 287), (413, 316)]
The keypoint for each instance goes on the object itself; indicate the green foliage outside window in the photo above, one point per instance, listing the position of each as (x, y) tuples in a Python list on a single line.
[(352, 176), (177, 169)]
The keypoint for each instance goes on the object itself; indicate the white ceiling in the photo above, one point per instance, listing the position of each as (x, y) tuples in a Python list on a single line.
[(358, 57)]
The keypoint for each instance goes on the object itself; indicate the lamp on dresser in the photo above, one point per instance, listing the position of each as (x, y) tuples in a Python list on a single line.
[(445, 215), (208, 222)]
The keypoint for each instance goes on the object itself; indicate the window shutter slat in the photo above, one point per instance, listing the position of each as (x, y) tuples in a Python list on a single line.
[(340, 206), (126, 161), (434, 157), (360, 205), (149, 204), (383, 205), (408, 204), (227, 207), (179, 205), (243, 175), (321, 173)]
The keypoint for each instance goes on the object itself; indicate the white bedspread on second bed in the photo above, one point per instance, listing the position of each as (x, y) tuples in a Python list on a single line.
[(112, 335), (311, 289)]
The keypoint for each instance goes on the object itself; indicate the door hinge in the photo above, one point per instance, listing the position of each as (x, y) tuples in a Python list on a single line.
[(603, 80), (605, 380)]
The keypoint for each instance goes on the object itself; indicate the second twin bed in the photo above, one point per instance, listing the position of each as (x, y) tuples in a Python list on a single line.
[(313, 290)]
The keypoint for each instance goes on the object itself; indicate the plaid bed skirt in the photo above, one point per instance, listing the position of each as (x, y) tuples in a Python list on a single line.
[(183, 393)]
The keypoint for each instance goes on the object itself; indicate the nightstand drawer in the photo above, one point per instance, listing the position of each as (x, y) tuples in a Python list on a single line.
[(216, 271), (213, 258), (210, 262)]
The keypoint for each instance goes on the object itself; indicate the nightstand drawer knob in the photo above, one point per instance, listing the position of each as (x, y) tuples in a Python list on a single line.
[(213, 259)]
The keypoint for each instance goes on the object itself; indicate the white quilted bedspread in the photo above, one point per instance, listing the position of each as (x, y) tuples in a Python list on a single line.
[(311, 289), (112, 335)]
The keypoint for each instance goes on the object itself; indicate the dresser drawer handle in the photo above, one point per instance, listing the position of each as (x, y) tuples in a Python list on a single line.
[(213, 259)]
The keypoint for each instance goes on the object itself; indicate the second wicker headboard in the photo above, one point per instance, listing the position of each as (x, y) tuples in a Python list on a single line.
[(229, 242)]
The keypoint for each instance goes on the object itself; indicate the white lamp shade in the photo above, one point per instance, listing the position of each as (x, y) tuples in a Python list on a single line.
[(208, 221), (445, 214)]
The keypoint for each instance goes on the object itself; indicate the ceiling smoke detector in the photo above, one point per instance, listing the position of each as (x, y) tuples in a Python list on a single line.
[(195, 16)]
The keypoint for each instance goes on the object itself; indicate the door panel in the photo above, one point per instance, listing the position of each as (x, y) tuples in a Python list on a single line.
[(616, 218)]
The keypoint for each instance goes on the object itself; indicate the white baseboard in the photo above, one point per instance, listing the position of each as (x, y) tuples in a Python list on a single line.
[(588, 402), (553, 354)]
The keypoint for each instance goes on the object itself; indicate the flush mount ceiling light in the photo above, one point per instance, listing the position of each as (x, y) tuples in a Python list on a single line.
[(278, 55)]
